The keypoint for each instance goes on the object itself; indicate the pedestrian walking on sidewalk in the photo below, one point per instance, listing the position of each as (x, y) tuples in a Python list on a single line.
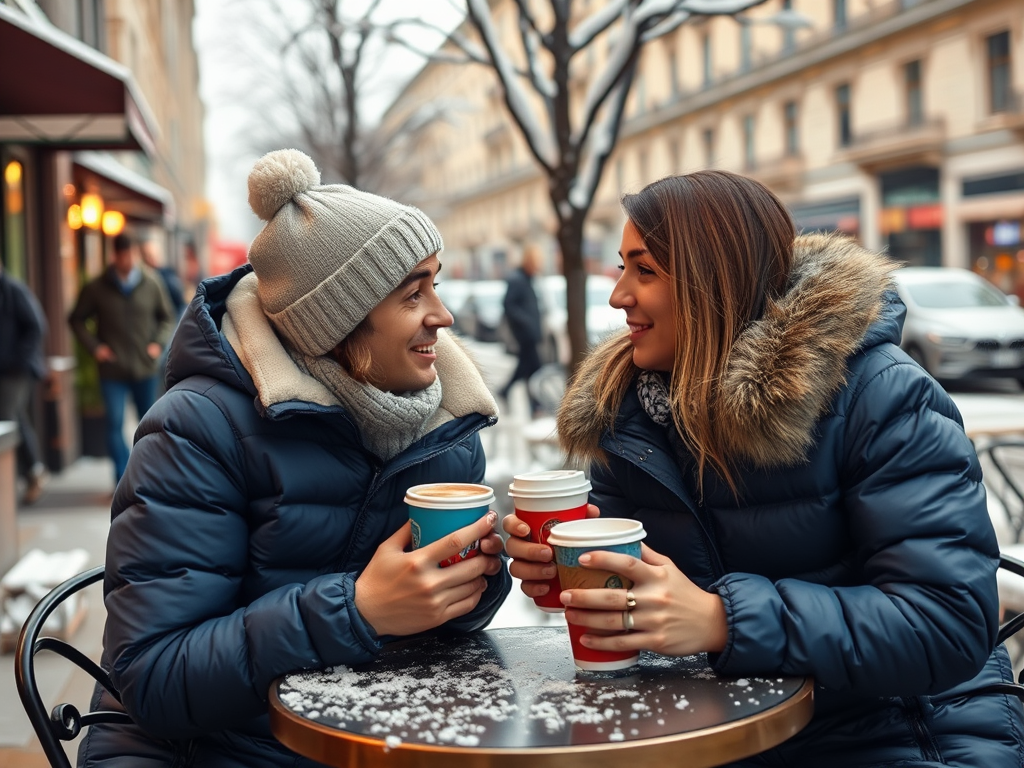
[(522, 313), (260, 526), (22, 364), (812, 504), (133, 322)]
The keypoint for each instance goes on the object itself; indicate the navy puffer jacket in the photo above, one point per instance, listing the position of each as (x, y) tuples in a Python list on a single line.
[(238, 532), (859, 550)]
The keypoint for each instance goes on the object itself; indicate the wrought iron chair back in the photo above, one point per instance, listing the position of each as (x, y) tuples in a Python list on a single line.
[(64, 722), (1005, 456)]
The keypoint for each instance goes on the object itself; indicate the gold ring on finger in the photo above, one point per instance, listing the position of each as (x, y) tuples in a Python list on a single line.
[(627, 620), (630, 600)]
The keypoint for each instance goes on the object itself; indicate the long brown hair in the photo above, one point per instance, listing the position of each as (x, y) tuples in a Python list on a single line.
[(725, 244)]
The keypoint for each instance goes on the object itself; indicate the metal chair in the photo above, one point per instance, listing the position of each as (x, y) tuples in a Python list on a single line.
[(65, 722), (1003, 458)]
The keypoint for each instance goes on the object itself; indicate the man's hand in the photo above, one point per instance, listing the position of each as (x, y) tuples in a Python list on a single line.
[(104, 354), (401, 593), (154, 349)]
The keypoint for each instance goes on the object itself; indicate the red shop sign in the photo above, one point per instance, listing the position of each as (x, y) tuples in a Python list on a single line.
[(925, 216)]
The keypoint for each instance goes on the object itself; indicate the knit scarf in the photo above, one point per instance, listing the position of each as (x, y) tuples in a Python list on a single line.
[(388, 423), (653, 393)]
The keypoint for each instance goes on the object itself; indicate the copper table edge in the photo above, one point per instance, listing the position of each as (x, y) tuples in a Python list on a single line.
[(737, 739)]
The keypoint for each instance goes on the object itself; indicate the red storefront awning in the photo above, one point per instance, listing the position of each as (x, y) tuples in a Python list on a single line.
[(56, 90)]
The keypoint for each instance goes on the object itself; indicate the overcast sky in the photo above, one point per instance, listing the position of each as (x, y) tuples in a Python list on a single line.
[(222, 52)]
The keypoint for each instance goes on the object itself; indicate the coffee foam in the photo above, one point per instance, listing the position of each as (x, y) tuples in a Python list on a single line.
[(449, 491)]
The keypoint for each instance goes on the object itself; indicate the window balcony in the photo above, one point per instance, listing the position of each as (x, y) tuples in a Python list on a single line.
[(781, 174), (899, 144), (1009, 117)]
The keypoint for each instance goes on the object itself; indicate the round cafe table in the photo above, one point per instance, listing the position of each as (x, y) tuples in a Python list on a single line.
[(512, 697)]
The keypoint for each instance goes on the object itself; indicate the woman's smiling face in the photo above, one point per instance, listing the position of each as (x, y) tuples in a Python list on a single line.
[(646, 296)]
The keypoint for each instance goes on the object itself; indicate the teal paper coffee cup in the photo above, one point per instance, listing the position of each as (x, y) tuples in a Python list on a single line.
[(438, 509)]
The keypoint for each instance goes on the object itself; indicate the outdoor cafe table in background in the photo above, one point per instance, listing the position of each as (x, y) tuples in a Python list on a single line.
[(511, 697), (989, 415)]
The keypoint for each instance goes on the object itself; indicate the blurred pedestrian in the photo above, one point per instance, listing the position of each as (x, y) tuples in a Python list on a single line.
[(522, 313), (133, 322), (154, 259), (260, 526), (22, 364)]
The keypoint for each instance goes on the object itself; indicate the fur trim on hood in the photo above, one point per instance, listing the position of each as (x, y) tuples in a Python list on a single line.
[(783, 370)]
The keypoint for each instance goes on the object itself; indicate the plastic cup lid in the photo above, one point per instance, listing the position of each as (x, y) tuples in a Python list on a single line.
[(596, 532), (550, 483)]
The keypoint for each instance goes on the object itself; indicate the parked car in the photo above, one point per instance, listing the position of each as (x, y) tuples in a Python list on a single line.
[(959, 325), (481, 313), (602, 319), (453, 294)]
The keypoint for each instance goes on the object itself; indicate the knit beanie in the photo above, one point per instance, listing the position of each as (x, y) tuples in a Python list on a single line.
[(328, 254)]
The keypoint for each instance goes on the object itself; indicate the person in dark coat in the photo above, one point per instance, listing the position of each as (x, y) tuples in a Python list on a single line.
[(812, 504), (22, 330), (522, 313), (260, 527), (133, 322)]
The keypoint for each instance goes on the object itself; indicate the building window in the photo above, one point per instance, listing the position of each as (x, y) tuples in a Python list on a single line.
[(788, 33), (839, 14), (709, 147), (675, 155), (999, 93), (749, 154), (789, 114), (746, 47), (915, 103), (673, 70), (706, 57), (843, 114)]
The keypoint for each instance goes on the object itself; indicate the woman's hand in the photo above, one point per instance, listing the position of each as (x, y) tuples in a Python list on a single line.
[(673, 616), (401, 593), (532, 563)]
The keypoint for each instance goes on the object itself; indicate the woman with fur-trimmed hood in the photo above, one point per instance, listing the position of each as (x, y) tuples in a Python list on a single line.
[(812, 502)]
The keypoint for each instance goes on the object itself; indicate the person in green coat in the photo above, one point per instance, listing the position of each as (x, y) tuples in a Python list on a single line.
[(133, 322)]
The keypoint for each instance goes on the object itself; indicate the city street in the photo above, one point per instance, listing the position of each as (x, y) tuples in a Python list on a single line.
[(74, 513)]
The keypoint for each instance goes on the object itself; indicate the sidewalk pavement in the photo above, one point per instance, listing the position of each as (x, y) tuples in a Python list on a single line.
[(74, 512)]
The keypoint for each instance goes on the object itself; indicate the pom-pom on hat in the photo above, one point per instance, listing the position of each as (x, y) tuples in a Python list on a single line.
[(328, 254)]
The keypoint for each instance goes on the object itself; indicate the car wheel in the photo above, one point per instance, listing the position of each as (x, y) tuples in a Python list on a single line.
[(917, 356)]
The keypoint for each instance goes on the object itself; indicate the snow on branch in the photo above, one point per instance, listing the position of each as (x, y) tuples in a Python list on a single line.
[(602, 142), (592, 26), (717, 7), (543, 84), (516, 96)]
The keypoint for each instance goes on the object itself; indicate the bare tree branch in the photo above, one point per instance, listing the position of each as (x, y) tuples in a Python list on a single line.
[(516, 98), (541, 82), (596, 23)]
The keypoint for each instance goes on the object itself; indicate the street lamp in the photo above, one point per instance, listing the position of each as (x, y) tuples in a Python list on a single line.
[(92, 210), (112, 223)]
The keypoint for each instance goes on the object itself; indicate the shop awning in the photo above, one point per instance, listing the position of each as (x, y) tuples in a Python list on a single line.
[(56, 90), (122, 189)]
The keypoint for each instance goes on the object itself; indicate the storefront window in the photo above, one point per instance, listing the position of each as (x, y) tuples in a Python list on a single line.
[(997, 253)]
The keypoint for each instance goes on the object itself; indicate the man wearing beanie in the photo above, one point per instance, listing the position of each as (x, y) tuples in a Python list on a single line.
[(260, 526)]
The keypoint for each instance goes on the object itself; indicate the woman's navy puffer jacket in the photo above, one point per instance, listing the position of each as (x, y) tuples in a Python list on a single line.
[(869, 562)]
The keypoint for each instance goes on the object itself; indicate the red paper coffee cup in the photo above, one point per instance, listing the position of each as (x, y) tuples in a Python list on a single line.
[(542, 500), (569, 541)]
